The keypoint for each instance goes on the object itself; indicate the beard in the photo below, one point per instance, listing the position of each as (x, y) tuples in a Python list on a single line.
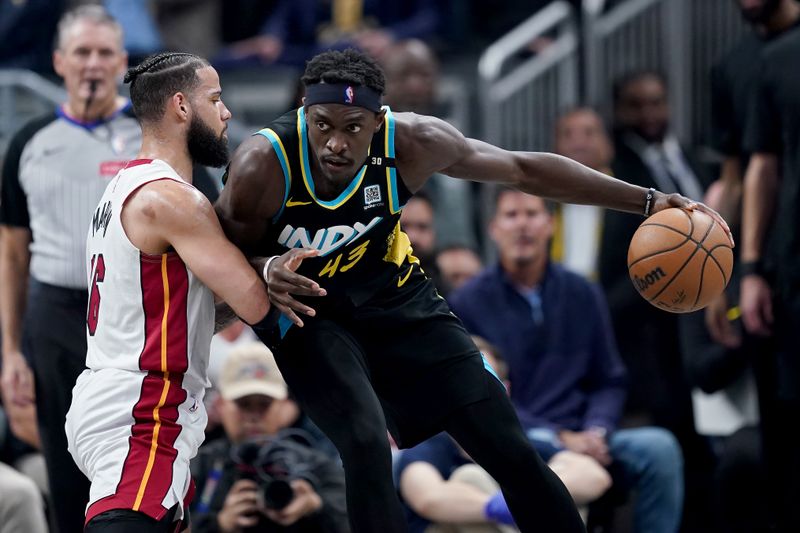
[(206, 148), (761, 14)]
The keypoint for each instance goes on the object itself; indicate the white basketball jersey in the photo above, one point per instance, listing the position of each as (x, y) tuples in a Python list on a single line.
[(146, 312), (137, 415)]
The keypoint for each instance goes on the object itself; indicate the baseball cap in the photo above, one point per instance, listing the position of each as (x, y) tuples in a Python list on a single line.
[(251, 369)]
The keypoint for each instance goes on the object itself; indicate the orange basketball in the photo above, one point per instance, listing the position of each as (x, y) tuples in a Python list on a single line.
[(680, 260)]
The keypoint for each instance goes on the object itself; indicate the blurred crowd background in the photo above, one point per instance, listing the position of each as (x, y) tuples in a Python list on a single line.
[(685, 419)]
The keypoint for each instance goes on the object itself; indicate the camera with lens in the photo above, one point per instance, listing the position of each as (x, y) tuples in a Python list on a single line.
[(273, 464)]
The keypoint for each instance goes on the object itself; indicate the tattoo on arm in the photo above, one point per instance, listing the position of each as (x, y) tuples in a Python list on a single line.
[(223, 316)]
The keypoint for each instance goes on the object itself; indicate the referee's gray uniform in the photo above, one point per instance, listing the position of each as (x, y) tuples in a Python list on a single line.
[(54, 174)]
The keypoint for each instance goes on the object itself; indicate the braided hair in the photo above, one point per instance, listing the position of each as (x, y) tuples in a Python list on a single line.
[(158, 77), (349, 66)]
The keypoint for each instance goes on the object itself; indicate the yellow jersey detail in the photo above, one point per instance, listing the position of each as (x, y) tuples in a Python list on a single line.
[(402, 281), (292, 203), (398, 248)]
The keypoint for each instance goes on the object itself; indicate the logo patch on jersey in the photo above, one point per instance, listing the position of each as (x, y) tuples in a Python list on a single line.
[(372, 194), (325, 240), (349, 95), (109, 169)]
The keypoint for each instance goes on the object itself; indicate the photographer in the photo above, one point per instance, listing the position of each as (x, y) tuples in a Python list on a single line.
[(239, 476)]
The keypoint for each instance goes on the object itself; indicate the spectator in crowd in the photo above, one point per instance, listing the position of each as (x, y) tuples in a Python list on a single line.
[(253, 405), (190, 25), (581, 135), (48, 197), (648, 154), (412, 78), (726, 411), (54, 173), (734, 81), (417, 222), (152, 26), (22, 478), (770, 301), (20, 445), (141, 34), (644, 142), (439, 483), (568, 381), (223, 342), (21, 504), (412, 84), (299, 29), (456, 264), (32, 48), (242, 19)]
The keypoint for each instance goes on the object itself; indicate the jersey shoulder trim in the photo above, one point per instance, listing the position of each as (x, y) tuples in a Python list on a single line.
[(283, 158), (391, 172)]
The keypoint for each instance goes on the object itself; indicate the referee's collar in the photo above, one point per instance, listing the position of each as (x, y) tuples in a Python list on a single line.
[(127, 108)]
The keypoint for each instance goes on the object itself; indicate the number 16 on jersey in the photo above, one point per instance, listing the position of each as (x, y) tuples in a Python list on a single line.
[(98, 275)]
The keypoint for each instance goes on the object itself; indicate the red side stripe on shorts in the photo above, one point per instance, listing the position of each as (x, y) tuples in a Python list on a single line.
[(159, 477)]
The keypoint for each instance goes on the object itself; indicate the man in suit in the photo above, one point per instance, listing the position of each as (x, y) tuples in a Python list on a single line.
[(647, 153)]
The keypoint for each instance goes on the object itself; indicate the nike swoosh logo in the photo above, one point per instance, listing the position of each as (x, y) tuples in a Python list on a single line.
[(292, 203), (402, 281)]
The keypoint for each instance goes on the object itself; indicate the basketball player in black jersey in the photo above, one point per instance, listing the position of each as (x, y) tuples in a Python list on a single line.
[(380, 348)]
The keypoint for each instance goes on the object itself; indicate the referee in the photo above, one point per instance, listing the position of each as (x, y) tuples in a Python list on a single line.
[(55, 171)]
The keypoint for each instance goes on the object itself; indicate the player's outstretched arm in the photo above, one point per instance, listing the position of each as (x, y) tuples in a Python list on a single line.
[(167, 213), (439, 147)]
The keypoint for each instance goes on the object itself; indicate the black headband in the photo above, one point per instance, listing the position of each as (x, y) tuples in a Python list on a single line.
[(342, 93)]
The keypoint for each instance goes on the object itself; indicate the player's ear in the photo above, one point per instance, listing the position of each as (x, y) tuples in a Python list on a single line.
[(380, 116), (179, 105)]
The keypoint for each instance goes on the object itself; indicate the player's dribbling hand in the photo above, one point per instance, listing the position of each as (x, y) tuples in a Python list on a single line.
[(665, 201), (241, 508), (283, 282)]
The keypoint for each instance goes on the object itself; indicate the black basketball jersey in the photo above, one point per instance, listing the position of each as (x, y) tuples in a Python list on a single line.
[(358, 234)]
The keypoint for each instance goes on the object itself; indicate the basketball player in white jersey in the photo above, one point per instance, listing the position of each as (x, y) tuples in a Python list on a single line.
[(156, 258)]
